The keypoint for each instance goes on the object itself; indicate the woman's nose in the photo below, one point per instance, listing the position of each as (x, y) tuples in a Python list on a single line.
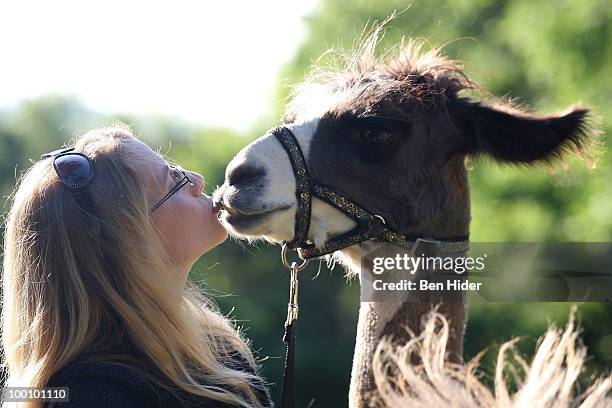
[(198, 183)]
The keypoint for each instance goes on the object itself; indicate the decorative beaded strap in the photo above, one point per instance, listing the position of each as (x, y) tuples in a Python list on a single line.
[(302, 188)]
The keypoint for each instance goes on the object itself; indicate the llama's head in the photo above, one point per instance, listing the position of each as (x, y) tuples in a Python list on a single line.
[(392, 136)]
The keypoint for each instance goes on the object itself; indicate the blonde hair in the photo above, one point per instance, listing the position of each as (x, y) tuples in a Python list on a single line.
[(101, 286)]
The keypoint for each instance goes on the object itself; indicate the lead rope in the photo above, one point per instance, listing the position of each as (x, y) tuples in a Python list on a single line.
[(288, 399)]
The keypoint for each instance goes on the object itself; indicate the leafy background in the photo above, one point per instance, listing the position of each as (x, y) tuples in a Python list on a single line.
[(549, 54)]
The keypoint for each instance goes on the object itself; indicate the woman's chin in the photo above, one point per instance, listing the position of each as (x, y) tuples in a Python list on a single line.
[(217, 234)]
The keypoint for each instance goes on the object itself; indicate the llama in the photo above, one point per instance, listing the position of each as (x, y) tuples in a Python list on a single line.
[(393, 135)]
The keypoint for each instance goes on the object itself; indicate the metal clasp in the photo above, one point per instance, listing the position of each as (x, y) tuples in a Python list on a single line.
[(292, 307), (294, 268)]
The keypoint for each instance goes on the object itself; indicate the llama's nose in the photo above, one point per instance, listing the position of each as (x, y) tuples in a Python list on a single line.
[(244, 174)]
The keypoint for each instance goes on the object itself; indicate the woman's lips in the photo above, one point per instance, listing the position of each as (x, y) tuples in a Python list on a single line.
[(218, 206)]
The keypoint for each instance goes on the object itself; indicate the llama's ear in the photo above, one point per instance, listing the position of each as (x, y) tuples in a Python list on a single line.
[(510, 135)]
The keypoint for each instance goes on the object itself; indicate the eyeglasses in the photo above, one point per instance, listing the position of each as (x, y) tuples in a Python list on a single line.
[(182, 182), (76, 172)]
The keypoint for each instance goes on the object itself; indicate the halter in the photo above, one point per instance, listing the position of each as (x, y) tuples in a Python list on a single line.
[(369, 225)]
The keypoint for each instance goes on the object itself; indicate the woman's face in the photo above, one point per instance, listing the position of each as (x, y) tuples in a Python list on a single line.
[(186, 222)]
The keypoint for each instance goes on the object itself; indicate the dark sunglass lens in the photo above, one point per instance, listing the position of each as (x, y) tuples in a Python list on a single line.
[(73, 169)]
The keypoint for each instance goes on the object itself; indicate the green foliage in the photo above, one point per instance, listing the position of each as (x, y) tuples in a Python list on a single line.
[(549, 54)]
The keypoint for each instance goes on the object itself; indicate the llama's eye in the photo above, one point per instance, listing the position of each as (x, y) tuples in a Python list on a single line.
[(376, 136)]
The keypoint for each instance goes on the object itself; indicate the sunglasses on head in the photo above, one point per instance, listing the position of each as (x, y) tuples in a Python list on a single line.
[(76, 172)]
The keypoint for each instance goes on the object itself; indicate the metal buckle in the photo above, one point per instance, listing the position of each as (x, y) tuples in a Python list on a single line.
[(381, 218), (420, 240)]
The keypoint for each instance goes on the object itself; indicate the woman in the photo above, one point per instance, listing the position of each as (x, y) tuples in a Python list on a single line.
[(98, 246)]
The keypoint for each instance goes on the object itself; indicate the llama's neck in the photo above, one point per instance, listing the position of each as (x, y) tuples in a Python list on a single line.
[(391, 317), (379, 319)]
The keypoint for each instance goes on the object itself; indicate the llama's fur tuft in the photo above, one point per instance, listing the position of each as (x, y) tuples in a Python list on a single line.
[(548, 381)]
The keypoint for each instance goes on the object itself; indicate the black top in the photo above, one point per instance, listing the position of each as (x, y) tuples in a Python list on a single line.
[(99, 384)]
